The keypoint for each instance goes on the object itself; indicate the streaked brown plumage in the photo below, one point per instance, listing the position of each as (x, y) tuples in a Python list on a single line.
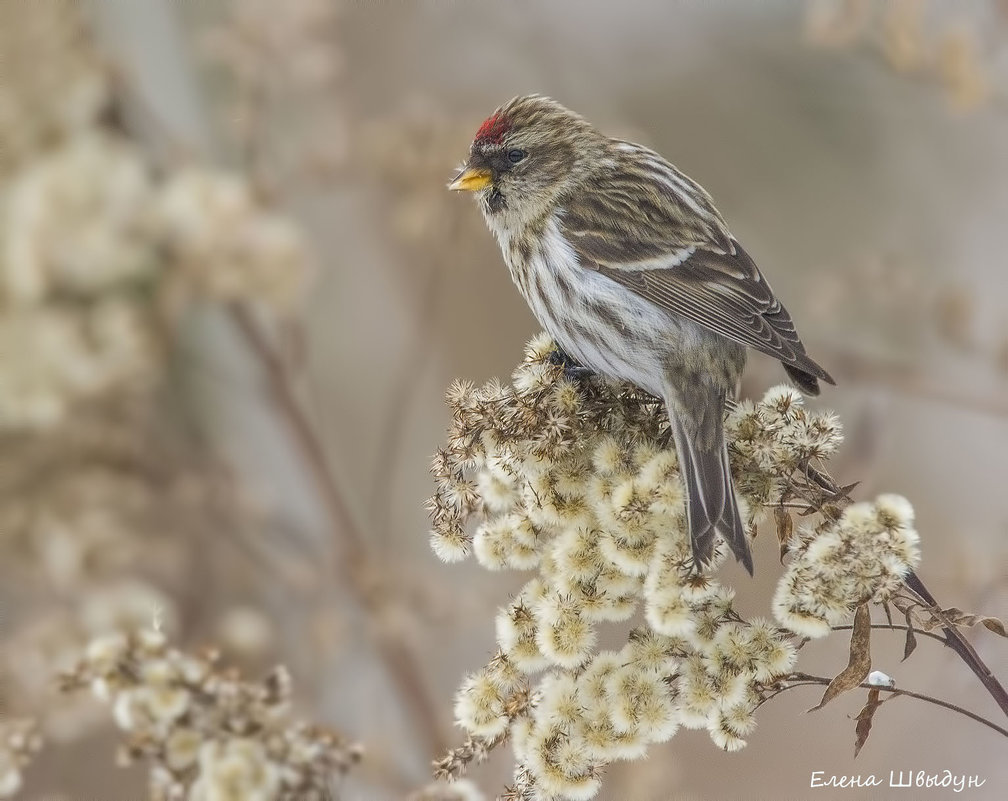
[(629, 266)]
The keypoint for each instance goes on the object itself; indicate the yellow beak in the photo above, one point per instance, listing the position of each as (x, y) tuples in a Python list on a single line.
[(471, 180)]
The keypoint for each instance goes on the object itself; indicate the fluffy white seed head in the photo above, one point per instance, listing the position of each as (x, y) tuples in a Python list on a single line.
[(479, 705), (565, 636), (560, 702), (517, 634), (452, 545), (864, 555), (579, 482)]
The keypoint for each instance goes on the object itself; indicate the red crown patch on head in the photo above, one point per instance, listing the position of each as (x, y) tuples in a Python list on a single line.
[(493, 129)]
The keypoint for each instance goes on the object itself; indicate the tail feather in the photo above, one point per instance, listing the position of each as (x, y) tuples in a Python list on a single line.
[(711, 507), (807, 382), (806, 372)]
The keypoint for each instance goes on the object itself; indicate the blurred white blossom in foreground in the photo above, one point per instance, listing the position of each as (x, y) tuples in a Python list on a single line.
[(18, 742), (107, 249), (579, 484), (94, 251), (207, 734), (226, 244)]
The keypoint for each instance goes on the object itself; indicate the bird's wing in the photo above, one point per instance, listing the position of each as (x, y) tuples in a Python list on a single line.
[(662, 238)]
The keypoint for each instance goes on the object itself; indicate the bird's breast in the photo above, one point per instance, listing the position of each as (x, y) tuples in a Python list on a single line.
[(596, 321)]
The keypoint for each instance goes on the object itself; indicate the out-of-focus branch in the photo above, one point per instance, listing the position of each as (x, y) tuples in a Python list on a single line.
[(352, 560), (416, 355), (855, 368)]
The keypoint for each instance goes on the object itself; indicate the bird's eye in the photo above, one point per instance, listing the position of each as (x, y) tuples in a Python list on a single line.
[(514, 156)]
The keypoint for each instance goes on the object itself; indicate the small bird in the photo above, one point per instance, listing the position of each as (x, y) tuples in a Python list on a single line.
[(631, 269)]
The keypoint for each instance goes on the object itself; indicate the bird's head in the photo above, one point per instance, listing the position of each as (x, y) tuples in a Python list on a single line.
[(526, 155)]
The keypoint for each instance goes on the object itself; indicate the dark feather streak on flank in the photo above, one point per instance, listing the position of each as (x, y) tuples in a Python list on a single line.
[(586, 334), (605, 314), (523, 248), (564, 288)]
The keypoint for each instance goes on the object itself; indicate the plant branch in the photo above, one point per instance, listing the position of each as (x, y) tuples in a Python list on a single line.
[(415, 358), (895, 627), (954, 638), (806, 679), (352, 560)]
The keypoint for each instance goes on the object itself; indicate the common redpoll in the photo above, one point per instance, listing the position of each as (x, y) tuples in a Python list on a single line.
[(633, 272)]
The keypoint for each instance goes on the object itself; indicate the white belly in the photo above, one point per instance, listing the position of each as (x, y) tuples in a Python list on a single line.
[(599, 323)]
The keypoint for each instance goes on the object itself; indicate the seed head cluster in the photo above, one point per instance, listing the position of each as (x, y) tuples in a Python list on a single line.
[(579, 483), (208, 734), (19, 742), (862, 557)]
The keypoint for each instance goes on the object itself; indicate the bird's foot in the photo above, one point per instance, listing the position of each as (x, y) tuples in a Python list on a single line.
[(571, 369)]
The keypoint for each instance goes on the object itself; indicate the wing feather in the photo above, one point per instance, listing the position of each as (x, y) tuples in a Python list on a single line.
[(685, 263)]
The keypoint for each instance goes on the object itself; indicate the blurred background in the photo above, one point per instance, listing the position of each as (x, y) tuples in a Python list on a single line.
[(233, 289)]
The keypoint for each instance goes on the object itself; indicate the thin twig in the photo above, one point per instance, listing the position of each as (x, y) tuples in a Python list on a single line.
[(896, 627), (806, 679)]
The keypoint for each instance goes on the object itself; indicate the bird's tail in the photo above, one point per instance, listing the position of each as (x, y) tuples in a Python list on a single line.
[(710, 499)]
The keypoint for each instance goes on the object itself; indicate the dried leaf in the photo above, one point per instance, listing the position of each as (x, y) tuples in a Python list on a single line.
[(932, 622), (864, 720), (911, 638), (843, 493), (859, 663), (995, 625), (968, 619), (784, 529)]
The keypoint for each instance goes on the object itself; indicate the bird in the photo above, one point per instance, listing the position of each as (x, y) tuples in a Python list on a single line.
[(630, 268)]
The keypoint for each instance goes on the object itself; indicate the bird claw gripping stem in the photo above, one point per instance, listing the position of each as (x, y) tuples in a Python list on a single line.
[(572, 370)]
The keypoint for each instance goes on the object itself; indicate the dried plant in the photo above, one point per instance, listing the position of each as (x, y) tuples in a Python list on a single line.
[(55, 82), (19, 741), (205, 732), (110, 503), (577, 482), (950, 56), (277, 66), (455, 790)]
